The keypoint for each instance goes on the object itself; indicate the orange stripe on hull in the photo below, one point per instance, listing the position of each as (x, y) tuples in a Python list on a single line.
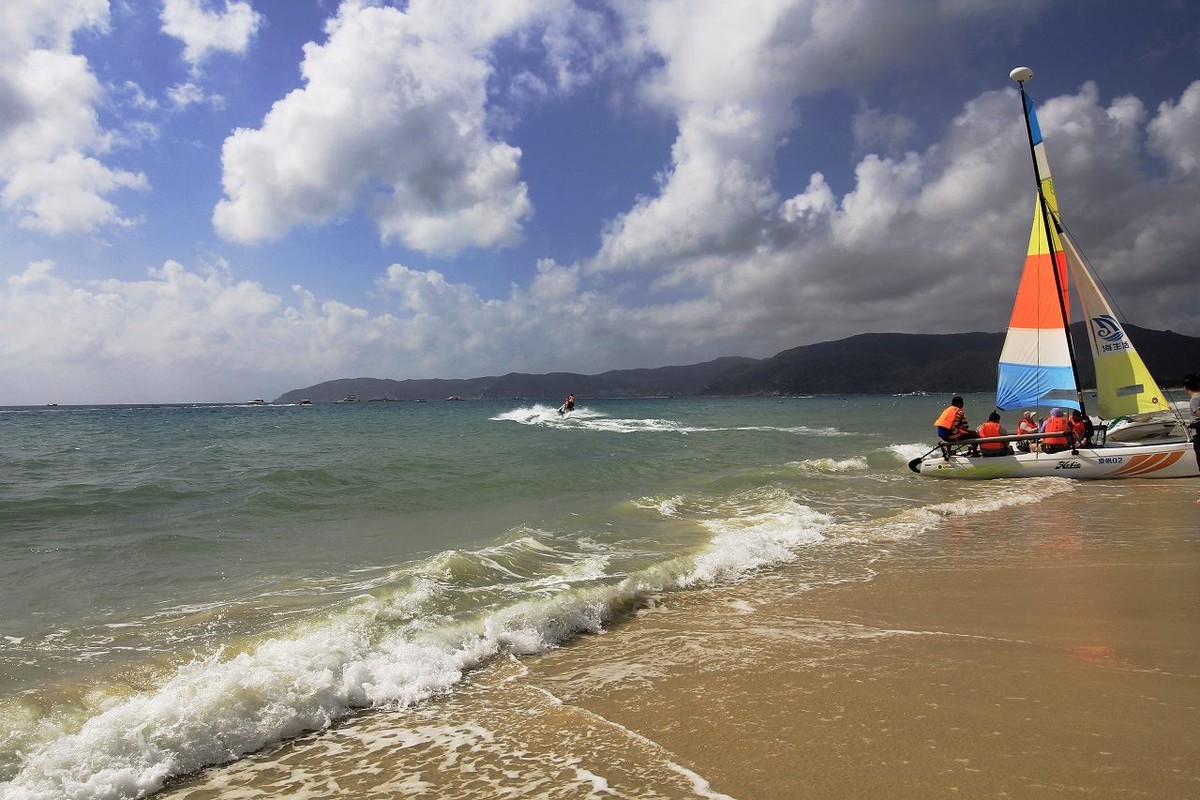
[(1145, 464)]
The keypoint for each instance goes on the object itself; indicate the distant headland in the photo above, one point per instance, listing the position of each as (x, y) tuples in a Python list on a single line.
[(870, 363)]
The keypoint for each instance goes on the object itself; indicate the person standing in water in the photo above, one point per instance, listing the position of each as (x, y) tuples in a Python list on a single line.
[(1191, 385)]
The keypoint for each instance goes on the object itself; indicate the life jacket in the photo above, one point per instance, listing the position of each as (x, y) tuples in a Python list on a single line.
[(1056, 425), (946, 420), (1026, 425), (991, 429), (1079, 429)]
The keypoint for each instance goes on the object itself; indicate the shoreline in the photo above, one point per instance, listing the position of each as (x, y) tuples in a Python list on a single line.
[(995, 657)]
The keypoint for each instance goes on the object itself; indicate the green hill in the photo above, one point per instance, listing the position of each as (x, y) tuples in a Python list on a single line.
[(870, 363)]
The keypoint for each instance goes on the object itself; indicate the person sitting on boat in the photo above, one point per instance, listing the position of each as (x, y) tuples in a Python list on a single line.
[(993, 428), (1056, 423), (952, 424), (1080, 428), (1028, 424)]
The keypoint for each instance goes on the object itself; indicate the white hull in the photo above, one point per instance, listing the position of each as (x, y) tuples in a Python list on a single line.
[(1143, 427), (1159, 460)]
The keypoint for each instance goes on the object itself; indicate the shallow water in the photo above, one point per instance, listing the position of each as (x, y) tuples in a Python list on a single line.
[(184, 586)]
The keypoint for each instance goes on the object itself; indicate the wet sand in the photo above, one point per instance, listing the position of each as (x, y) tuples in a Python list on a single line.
[(1038, 651)]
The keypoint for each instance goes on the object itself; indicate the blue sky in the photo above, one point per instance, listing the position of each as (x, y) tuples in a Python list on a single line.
[(213, 200)]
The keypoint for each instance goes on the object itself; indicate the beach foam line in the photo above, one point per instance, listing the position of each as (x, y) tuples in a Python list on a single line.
[(915, 521), (376, 651), (831, 465), (700, 785), (585, 419)]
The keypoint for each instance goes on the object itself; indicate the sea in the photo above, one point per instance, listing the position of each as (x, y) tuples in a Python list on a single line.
[(190, 595)]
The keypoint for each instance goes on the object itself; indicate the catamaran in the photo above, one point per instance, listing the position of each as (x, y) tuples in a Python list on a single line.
[(1038, 369)]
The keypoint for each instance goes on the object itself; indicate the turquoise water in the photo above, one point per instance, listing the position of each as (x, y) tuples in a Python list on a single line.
[(183, 585)]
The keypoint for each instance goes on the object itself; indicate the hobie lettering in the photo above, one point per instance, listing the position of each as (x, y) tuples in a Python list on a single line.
[(1068, 465)]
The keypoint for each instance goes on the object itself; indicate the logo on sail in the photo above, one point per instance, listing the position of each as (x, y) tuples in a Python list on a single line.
[(1107, 328)]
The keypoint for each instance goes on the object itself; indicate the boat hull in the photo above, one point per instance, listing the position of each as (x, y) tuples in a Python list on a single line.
[(1139, 429), (1159, 460)]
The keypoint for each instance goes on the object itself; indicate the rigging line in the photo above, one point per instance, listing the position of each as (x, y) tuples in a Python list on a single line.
[(1121, 316)]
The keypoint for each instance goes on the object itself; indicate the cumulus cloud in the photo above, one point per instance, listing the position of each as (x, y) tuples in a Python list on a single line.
[(927, 233), (204, 31), (1175, 133), (731, 73), (393, 117), (51, 141), (934, 236)]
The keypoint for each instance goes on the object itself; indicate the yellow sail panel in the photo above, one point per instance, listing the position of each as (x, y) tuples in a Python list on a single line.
[(1123, 383), (1036, 289)]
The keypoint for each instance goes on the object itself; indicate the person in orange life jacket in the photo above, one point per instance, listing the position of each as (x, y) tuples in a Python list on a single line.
[(952, 424), (1028, 424), (1080, 428), (993, 428), (1056, 423)]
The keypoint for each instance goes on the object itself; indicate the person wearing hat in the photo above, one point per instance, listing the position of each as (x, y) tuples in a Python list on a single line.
[(1028, 424), (1057, 424)]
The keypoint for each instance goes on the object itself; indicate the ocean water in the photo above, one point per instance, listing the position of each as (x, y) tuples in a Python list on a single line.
[(185, 586)]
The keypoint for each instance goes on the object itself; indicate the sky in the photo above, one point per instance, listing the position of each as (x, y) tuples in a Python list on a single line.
[(219, 200)]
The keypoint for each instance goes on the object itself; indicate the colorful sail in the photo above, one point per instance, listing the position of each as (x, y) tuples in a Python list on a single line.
[(1035, 364), (1124, 385)]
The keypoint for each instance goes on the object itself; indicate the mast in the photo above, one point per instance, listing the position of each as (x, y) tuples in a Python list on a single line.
[(1020, 75)]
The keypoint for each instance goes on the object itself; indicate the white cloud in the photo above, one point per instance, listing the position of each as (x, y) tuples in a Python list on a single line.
[(205, 31), (51, 141), (731, 74), (183, 95), (48, 24), (717, 260), (393, 116), (1175, 133), (935, 238)]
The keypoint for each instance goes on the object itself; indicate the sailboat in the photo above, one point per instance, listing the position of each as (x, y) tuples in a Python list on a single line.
[(1038, 368)]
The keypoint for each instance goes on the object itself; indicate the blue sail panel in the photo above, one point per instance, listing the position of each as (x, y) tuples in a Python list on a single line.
[(1031, 386)]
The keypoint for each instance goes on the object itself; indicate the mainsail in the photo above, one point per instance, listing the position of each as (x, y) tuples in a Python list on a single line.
[(1035, 364)]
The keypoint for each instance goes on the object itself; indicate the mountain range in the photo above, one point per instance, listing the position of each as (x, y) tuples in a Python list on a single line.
[(870, 363)]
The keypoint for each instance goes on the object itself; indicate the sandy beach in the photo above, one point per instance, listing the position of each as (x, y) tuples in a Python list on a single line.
[(1017, 659)]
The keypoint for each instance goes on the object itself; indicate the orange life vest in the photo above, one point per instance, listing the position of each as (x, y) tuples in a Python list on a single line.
[(1056, 425), (1026, 426), (946, 420), (991, 429)]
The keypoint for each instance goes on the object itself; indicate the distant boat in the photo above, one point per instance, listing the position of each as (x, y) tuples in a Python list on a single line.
[(1038, 368), (454, 397), (421, 400), (305, 402), (349, 399), (258, 401)]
